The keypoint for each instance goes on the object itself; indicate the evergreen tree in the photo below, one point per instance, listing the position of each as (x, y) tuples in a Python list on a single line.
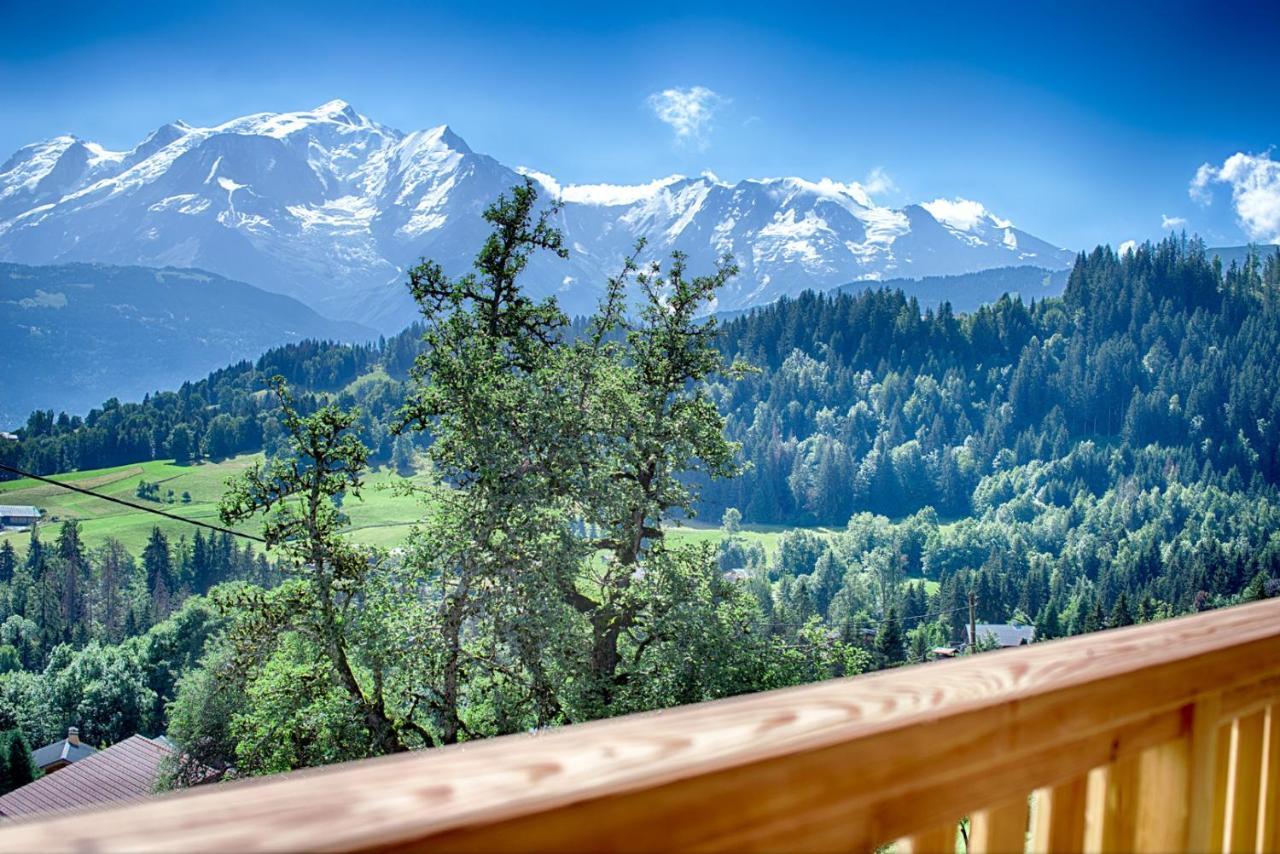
[(1121, 614), (19, 768), (8, 561), (888, 641)]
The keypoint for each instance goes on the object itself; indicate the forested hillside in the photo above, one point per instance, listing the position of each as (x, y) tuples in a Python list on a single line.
[(1107, 457)]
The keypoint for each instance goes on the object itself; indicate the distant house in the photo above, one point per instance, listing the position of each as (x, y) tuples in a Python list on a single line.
[(127, 771), (1005, 634), (62, 753), (8, 437), (18, 515)]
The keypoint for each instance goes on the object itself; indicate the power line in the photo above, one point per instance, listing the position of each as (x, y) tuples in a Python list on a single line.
[(175, 517)]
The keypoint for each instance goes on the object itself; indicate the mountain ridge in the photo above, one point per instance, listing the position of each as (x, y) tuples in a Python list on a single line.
[(330, 207)]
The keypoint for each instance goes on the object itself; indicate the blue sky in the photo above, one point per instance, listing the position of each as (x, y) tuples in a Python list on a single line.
[(1083, 123)]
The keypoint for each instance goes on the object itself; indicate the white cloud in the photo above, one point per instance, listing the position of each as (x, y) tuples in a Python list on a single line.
[(1167, 222), (1255, 191), (1126, 248), (878, 181), (689, 112), (961, 214), (550, 184)]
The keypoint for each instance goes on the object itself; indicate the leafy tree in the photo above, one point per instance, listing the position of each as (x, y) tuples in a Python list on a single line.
[(323, 598)]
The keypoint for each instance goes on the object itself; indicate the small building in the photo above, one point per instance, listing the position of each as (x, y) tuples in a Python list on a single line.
[(1005, 634), (127, 771), (62, 753), (943, 652), (8, 437), (18, 515)]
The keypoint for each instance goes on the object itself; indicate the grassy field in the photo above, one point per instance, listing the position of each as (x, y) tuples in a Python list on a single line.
[(381, 518), (768, 536)]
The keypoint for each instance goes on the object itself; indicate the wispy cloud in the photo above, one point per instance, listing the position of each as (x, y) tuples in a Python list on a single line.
[(878, 181), (1127, 248), (690, 112), (1254, 180), (1167, 222)]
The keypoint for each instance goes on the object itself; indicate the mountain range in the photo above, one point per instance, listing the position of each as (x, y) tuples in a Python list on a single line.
[(330, 207)]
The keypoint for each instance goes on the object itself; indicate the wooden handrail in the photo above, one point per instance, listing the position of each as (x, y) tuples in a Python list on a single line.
[(1117, 734)]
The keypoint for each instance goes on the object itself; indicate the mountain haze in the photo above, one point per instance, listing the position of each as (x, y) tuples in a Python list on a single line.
[(73, 335), (330, 207)]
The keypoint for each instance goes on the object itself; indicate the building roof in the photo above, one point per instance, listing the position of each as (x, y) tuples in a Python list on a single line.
[(125, 771), (1006, 634), (62, 751), (19, 510)]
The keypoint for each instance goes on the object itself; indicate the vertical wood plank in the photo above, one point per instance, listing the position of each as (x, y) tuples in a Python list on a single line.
[(1112, 806), (1163, 780), (1268, 838), (939, 840), (1001, 829), (1221, 777), (1202, 773), (1059, 817), (1240, 813)]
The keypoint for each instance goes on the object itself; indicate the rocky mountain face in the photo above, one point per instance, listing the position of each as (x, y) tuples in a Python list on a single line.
[(330, 207)]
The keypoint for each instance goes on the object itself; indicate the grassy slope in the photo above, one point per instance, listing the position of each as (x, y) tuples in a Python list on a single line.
[(381, 517)]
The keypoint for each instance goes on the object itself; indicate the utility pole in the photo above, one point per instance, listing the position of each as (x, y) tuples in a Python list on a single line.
[(973, 622)]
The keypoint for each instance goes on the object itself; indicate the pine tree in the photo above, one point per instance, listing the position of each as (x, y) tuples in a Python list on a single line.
[(1121, 615), (75, 576), (889, 639), (8, 561), (19, 767), (158, 564)]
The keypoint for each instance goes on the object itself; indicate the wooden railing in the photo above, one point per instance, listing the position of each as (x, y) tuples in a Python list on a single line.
[(1160, 737)]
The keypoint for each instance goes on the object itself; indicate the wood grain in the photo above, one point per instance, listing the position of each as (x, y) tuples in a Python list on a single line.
[(1160, 824), (1268, 838), (842, 765), (1113, 806), (1060, 817), (1000, 829), (1204, 764), (937, 840), (1244, 782)]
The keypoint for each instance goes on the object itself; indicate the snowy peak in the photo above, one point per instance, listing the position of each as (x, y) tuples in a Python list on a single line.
[(329, 206)]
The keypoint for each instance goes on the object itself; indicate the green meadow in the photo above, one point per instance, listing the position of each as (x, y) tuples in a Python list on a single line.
[(382, 516)]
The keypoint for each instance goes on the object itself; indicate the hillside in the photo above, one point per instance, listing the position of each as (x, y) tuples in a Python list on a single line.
[(969, 291), (72, 335)]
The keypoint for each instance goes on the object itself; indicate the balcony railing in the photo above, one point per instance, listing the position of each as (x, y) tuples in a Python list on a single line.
[(1153, 738)]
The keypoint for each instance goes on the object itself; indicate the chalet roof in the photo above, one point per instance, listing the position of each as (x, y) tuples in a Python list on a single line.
[(125, 771), (63, 750), (18, 510), (1006, 634)]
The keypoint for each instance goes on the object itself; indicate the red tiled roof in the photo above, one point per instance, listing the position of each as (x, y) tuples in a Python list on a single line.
[(123, 772)]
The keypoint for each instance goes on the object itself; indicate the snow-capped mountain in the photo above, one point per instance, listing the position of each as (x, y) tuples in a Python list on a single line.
[(330, 207)]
